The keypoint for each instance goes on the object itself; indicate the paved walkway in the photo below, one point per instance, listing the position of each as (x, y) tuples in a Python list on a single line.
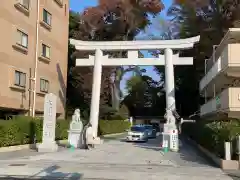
[(115, 160)]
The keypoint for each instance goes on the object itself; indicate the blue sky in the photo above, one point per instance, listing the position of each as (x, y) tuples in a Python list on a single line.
[(80, 5)]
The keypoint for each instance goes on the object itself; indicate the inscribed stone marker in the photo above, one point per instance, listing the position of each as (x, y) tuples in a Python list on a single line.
[(49, 124)]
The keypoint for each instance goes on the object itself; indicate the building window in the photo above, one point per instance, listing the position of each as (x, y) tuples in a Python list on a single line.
[(22, 39), (24, 3), (65, 9), (44, 85), (20, 79), (47, 17), (45, 51)]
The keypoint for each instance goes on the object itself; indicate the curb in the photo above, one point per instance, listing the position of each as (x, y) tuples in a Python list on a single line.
[(33, 146), (116, 134), (26, 146), (221, 163)]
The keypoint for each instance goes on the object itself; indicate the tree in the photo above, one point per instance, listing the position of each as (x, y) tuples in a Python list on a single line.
[(117, 95), (144, 96), (109, 20), (210, 19)]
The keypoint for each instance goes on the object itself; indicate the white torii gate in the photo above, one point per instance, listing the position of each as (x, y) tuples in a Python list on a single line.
[(99, 60)]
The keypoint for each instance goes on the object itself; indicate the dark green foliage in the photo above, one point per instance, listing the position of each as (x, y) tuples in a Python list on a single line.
[(106, 111), (112, 126), (212, 135), (22, 129), (110, 113)]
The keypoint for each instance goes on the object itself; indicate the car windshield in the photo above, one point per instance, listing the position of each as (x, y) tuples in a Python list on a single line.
[(138, 129)]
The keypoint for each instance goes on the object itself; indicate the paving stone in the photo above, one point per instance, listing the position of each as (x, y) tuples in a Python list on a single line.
[(117, 160)]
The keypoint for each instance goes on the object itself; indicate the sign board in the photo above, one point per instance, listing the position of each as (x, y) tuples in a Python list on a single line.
[(174, 140)]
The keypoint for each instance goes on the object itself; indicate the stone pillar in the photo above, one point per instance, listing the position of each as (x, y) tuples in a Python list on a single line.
[(169, 80), (49, 124), (228, 151), (96, 91)]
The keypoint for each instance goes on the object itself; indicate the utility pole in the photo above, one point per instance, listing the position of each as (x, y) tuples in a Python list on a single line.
[(36, 61)]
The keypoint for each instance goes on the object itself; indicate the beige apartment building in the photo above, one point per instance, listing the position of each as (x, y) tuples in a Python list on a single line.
[(33, 55), (221, 83)]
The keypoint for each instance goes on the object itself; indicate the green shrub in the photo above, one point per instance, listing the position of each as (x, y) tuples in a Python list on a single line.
[(105, 112), (213, 134), (112, 126), (22, 129)]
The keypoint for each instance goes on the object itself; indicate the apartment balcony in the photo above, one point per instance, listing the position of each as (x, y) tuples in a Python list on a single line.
[(226, 63), (225, 104)]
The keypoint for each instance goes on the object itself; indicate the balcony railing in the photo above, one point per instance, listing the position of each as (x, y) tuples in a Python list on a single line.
[(226, 54), (211, 74), (228, 100), (209, 107)]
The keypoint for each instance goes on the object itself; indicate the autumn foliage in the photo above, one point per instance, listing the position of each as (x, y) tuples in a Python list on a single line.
[(114, 19), (108, 21)]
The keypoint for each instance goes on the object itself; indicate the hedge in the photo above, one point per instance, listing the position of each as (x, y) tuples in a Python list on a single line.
[(21, 130), (112, 126), (213, 134)]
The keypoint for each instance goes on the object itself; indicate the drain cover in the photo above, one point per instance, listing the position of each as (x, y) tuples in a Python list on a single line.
[(17, 165)]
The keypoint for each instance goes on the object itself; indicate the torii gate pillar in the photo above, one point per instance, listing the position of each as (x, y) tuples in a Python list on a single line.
[(169, 80), (96, 91)]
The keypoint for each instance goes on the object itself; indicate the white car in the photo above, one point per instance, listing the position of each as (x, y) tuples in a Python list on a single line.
[(137, 133)]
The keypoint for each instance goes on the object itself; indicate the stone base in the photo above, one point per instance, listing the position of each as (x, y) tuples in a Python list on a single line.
[(75, 138), (167, 128), (48, 147), (170, 134), (98, 141), (174, 150)]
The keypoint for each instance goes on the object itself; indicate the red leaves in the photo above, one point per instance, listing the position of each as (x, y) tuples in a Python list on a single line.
[(193, 3), (126, 13)]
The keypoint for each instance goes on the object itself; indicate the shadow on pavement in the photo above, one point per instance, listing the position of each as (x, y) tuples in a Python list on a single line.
[(187, 154), (234, 174), (49, 173)]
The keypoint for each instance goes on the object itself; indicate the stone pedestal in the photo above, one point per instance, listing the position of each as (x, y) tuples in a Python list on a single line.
[(170, 134), (75, 138), (48, 147)]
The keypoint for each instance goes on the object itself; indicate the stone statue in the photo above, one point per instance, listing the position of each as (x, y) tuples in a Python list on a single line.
[(169, 117), (76, 123), (75, 131)]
